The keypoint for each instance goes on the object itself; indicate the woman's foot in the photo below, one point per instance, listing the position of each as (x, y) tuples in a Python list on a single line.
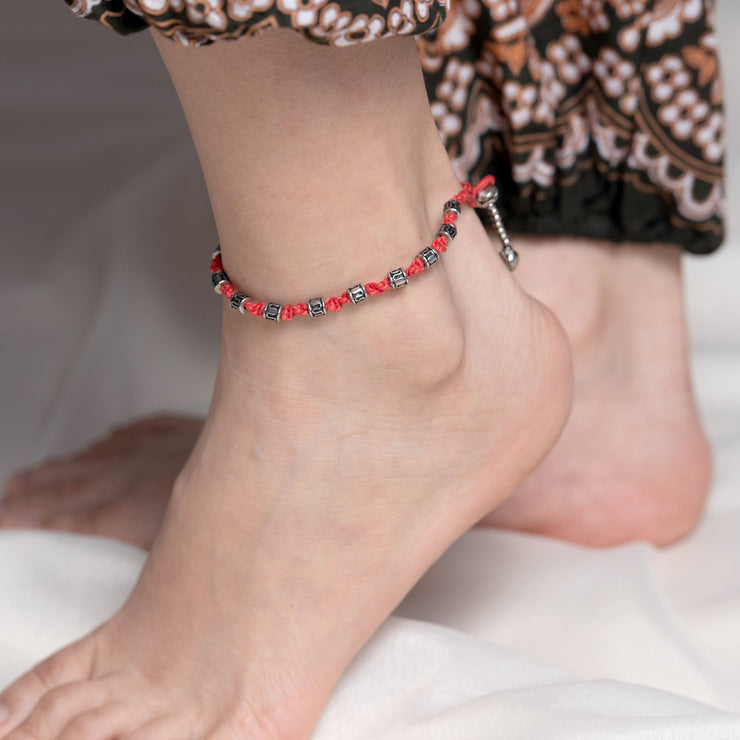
[(341, 454), (117, 488), (339, 459), (633, 461)]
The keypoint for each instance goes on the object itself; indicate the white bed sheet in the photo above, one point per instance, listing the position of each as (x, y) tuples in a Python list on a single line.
[(508, 635)]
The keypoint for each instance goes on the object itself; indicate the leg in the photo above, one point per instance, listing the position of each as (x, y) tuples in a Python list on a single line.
[(341, 455), (633, 462)]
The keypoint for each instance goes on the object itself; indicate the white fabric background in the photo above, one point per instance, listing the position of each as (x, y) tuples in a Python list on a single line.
[(105, 316)]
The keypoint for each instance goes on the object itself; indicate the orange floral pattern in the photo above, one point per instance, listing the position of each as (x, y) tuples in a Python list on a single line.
[(601, 118)]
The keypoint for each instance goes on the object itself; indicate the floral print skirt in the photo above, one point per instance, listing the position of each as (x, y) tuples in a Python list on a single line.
[(599, 118)]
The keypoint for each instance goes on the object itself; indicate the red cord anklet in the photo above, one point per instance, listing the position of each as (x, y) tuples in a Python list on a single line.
[(483, 195)]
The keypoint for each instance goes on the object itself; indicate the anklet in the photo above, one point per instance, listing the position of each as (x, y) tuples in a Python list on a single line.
[(484, 195)]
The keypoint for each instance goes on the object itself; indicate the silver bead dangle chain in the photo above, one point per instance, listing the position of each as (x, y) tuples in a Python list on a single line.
[(487, 199)]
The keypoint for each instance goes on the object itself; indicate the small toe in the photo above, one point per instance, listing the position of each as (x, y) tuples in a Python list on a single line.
[(108, 722), (57, 707)]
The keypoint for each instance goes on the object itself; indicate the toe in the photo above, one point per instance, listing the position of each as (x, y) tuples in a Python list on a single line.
[(59, 706), (108, 722), (109, 518), (72, 664), (43, 488)]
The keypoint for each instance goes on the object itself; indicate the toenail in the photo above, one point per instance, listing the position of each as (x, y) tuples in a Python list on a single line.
[(4, 714)]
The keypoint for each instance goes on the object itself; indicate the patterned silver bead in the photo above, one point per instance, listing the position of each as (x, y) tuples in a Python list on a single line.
[(316, 307), (487, 197), (398, 278), (218, 279), (357, 293), (452, 206), (429, 256), (448, 230), (510, 257), (237, 302), (272, 311), (216, 252)]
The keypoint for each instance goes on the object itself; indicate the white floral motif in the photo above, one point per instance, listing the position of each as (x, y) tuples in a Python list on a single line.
[(661, 171), (361, 29), (519, 102), (613, 72), (535, 169), (583, 16), (605, 137), (455, 33), (683, 113), (332, 20), (575, 141), (567, 54), (454, 88), (711, 137), (422, 9), (210, 12), (666, 77), (500, 10), (401, 19), (628, 8), (448, 122), (305, 13), (242, 10), (629, 103), (669, 19), (84, 7), (664, 20), (552, 92)]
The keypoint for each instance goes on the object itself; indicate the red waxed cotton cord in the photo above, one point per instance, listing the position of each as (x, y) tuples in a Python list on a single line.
[(466, 196)]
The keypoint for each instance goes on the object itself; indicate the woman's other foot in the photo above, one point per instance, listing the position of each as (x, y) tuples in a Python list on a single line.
[(117, 488), (633, 462)]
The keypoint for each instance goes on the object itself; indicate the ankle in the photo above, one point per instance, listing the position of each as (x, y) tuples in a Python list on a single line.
[(414, 333), (410, 340)]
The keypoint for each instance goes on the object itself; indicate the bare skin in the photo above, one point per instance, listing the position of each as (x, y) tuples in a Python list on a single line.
[(118, 488), (340, 456), (632, 463)]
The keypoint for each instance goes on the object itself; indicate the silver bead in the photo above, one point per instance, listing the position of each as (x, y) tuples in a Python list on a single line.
[(237, 302), (429, 256), (448, 230), (357, 293), (510, 257), (452, 206), (218, 279), (316, 307), (398, 278), (272, 311), (216, 252), (487, 197)]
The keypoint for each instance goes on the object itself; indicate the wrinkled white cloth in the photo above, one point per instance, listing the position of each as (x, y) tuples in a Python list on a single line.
[(106, 315)]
